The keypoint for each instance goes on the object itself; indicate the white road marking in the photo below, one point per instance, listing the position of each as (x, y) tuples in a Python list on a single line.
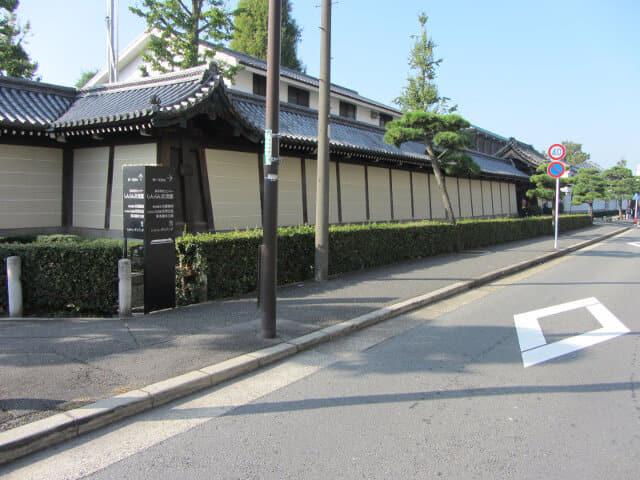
[(533, 344), (634, 244)]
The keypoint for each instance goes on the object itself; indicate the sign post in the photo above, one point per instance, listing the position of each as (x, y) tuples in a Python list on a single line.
[(556, 169), (148, 208), (636, 197)]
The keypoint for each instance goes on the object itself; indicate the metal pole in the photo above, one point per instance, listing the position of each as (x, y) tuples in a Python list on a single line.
[(268, 268), (322, 179), (555, 244)]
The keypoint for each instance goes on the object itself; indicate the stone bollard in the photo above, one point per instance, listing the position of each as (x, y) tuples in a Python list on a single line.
[(124, 287), (14, 286)]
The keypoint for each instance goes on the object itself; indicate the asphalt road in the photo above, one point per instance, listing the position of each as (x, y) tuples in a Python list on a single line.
[(446, 391)]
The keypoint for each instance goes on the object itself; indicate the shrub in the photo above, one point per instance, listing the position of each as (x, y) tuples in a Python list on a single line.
[(65, 277)]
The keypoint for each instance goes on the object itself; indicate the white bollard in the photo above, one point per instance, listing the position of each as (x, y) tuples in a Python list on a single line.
[(14, 286), (124, 287)]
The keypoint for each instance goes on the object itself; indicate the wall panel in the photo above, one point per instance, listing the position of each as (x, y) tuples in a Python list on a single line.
[(401, 195), (234, 182), (352, 191), (476, 196), (465, 197), (289, 192), (30, 187), (420, 196), (90, 166), (379, 195)]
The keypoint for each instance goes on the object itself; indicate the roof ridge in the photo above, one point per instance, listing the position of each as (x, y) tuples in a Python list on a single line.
[(189, 74)]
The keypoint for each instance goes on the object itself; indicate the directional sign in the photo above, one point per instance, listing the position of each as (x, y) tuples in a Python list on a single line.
[(557, 151), (556, 169), (635, 196)]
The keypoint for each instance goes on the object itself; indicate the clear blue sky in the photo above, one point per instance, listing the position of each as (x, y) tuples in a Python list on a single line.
[(541, 71)]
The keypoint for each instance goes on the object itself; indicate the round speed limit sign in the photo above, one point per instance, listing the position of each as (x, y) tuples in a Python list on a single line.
[(557, 151)]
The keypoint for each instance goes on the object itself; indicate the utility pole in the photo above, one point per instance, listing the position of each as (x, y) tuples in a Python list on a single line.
[(324, 111), (269, 250)]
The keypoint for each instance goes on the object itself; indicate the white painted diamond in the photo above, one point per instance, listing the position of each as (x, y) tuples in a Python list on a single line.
[(534, 346)]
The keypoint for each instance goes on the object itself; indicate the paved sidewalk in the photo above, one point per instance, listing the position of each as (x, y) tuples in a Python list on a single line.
[(48, 366)]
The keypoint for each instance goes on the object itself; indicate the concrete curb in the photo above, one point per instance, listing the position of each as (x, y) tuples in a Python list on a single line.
[(21, 441)]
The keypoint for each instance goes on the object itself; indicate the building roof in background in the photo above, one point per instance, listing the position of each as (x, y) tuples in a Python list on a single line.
[(523, 151), (259, 64)]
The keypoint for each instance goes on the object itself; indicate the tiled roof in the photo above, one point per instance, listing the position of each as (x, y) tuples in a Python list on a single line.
[(495, 165), (120, 102), (526, 152), (298, 124), (27, 104)]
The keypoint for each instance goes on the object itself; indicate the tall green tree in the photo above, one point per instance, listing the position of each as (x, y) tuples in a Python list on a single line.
[(177, 29), (14, 60), (250, 32), (444, 134), (619, 184), (545, 187), (587, 186), (421, 92), (575, 155)]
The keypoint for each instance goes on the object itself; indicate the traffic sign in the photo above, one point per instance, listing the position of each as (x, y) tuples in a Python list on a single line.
[(635, 196), (556, 169), (557, 151)]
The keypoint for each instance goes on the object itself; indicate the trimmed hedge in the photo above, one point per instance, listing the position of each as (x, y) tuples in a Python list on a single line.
[(229, 260), (65, 276)]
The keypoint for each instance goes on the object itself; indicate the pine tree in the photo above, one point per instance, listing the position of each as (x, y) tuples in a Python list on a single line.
[(620, 184), (444, 135), (250, 32), (586, 187), (14, 60), (178, 29)]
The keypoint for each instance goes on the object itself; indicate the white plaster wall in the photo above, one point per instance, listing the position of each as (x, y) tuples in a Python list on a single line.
[(90, 170), (401, 195), (243, 81), (30, 187), (311, 171), (353, 194), (144, 154), (420, 196), (234, 183), (379, 195), (487, 199), (465, 197), (437, 206), (495, 193), (476, 196), (289, 192)]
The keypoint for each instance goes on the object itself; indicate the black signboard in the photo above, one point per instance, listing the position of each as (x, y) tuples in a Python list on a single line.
[(148, 209)]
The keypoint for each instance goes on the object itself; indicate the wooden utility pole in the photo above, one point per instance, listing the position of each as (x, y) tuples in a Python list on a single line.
[(269, 249)]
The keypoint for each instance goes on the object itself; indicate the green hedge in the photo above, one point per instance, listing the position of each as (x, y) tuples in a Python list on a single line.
[(69, 275), (65, 276), (229, 260)]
